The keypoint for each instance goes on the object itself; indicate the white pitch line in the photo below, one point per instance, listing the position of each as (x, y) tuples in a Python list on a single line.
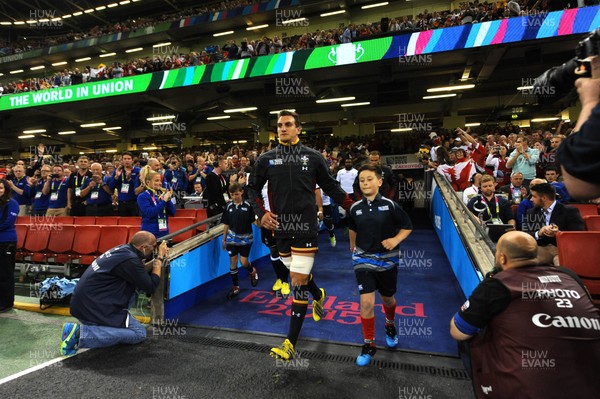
[(35, 368)]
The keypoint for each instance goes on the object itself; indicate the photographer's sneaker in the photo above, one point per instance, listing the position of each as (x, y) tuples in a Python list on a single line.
[(367, 352), (391, 336), (70, 339)]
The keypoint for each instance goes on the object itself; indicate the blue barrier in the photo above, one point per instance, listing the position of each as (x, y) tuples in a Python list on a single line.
[(461, 263), (199, 266)]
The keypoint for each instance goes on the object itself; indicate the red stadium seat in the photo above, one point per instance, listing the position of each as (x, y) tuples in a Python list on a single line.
[(580, 251), (592, 222), (130, 220), (132, 230), (26, 219), (57, 220), (107, 220), (185, 213), (200, 216), (176, 224), (85, 244), (21, 235), (111, 236), (60, 244), (36, 241), (585, 209), (87, 220)]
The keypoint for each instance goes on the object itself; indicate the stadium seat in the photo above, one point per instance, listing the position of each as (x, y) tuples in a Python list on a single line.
[(185, 213), (572, 246), (87, 220), (21, 235), (592, 222), (85, 244), (36, 241), (111, 236), (176, 224), (585, 209), (107, 220), (130, 220), (514, 208), (131, 231), (57, 220), (200, 216), (59, 245), (25, 219)]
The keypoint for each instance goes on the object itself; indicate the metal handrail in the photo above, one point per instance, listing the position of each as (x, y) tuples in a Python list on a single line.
[(209, 220), (479, 246)]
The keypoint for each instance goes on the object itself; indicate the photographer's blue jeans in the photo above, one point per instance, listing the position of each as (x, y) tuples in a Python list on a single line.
[(94, 336)]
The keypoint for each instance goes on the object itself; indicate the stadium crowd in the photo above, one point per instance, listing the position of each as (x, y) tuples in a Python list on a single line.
[(474, 12)]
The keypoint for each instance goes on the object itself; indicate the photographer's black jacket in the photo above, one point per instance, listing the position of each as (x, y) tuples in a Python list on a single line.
[(292, 172), (103, 292)]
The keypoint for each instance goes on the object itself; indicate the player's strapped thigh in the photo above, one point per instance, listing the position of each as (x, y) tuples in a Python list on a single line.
[(303, 254), (285, 252)]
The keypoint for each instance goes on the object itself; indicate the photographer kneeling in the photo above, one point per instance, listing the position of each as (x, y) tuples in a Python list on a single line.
[(106, 291)]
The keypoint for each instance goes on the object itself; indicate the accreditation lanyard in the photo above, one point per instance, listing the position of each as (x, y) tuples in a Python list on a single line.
[(59, 186), (488, 206), (95, 191), (54, 191), (78, 184), (224, 185), (162, 220)]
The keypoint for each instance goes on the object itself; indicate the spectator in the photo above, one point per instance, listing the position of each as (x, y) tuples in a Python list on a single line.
[(515, 190), (547, 218), (155, 206), (40, 200), (19, 186), (97, 194), (76, 182), (523, 159), (56, 187), (496, 160), (473, 190), (526, 203), (127, 182), (9, 209), (489, 207)]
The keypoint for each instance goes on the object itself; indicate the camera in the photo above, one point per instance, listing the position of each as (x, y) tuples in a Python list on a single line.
[(561, 79), (54, 175)]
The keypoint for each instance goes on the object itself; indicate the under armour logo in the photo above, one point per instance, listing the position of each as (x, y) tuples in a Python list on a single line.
[(305, 168), (308, 244)]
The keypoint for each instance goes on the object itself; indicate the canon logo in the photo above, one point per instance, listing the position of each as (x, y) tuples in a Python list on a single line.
[(544, 320)]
